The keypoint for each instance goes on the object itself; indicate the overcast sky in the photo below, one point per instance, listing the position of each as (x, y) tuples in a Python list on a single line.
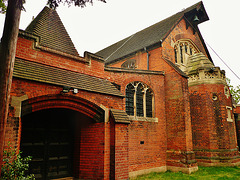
[(96, 27)]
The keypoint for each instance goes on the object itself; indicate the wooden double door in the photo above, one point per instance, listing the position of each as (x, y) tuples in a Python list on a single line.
[(48, 136)]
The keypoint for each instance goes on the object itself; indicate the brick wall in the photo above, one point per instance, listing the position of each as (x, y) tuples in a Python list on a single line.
[(175, 126), (146, 146), (214, 137), (91, 165), (94, 136), (26, 51), (237, 121), (179, 131), (152, 152), (121, 151), (46, 96)]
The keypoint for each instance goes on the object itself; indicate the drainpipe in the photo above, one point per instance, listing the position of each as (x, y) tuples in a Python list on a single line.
[(147, 57)]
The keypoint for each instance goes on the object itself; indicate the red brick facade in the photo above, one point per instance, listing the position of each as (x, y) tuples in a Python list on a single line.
[(211, 122), (192, 120)]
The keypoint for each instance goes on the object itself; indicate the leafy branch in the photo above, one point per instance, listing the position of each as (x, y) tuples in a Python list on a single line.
[(14, 166), (235, 91)]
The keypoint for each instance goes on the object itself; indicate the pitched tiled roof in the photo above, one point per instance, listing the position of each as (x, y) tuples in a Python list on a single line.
[(147, 37), (120, 116), (49, 27), (52, 75)]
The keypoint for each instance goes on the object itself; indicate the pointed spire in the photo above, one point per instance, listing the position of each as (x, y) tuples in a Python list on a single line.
[(49, 27)]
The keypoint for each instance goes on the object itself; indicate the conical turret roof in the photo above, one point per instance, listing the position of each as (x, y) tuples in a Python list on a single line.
[(49, 27)]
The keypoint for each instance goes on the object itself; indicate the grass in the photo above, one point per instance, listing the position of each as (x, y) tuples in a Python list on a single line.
[(204, 173)]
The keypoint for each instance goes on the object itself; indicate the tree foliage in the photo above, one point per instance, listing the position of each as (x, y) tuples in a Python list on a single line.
[(4, 3), (81, 3), (3, 6), (235, 91), (14, 166), (52, 3)]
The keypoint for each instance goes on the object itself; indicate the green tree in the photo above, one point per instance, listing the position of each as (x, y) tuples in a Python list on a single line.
[(235, 91), (14, 166), (8, 50), (3, 6)]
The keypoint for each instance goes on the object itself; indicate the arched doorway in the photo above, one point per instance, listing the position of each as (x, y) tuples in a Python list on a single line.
[(48, 136), (64, 136)]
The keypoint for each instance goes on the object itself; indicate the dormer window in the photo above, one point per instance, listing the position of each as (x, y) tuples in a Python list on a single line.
[(183, 49)]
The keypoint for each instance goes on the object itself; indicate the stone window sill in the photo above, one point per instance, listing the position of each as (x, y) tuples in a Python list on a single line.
[(229, 120), (147, 119)]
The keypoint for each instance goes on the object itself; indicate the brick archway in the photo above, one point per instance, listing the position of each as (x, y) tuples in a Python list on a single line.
[(63, 101), (88, 128)]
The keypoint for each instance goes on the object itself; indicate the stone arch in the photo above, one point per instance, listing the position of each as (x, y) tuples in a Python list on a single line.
[(81, 105)]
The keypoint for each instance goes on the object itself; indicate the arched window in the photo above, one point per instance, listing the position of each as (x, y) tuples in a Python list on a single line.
[(181, 54), (139, 100), (183, 48), (130, 91), (175, 52), (149, 103)]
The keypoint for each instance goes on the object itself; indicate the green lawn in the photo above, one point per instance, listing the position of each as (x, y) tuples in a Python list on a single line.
[(212, 173)]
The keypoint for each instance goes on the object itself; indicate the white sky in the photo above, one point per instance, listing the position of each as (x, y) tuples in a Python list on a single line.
[(96, 27)]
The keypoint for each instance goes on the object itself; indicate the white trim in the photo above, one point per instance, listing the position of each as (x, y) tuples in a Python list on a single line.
[(16, 102), (106, 110), (229, 113)]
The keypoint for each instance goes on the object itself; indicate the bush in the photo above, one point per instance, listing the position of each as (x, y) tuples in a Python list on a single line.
[(14, 166)]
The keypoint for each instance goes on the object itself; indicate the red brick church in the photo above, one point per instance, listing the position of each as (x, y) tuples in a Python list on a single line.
[(151, 102)]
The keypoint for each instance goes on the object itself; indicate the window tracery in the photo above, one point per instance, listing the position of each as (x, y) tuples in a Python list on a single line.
[(183, 48), (139, 100)]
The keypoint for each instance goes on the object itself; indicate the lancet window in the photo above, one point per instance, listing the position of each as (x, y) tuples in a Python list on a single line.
[(139, 100)]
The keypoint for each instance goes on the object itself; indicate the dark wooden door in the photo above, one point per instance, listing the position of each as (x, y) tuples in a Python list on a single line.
[(48, 136)]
